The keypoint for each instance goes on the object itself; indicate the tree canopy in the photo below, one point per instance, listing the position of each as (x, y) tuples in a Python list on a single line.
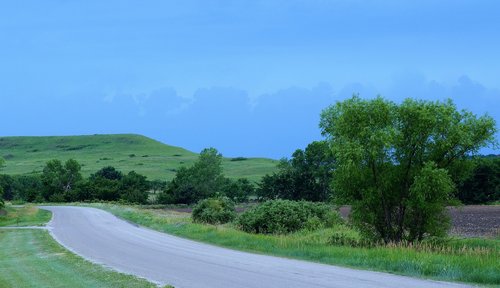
[(306, 176), (60, 180), (396, 164), (200, 181)]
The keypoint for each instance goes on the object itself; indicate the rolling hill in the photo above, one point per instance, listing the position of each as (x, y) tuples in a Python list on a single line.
[(126, 152)]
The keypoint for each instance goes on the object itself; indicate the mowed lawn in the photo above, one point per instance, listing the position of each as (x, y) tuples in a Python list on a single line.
[(32, 258), (126, 152)]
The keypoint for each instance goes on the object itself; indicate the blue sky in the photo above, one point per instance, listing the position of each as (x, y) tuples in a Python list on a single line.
[(247, 77)]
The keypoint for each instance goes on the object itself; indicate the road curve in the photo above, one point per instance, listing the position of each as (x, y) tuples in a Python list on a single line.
[(103, 238)]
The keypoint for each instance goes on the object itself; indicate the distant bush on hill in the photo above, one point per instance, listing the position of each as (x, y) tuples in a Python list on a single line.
[(238, 159)]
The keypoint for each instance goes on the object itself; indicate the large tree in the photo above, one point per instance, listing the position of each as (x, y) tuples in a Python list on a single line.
[(60, 180), (396, 164), (200, 181)]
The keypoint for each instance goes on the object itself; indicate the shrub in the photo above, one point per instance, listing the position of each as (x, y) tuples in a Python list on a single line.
[(285, 216), (214, 211)]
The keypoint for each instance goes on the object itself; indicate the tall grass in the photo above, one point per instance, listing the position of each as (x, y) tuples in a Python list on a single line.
[(28, 215), (463, 260)]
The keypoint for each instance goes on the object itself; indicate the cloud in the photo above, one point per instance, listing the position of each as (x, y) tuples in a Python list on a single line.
[(227, 118)]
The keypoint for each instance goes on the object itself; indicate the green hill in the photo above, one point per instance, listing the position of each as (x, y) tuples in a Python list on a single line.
[(125, 152)]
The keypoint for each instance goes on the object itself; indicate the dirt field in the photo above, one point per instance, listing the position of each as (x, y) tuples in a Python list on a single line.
[(475, 220), (467, 221)]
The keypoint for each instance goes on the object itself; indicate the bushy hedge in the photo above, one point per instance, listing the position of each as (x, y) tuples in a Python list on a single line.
[(214, 211), (285, 216)]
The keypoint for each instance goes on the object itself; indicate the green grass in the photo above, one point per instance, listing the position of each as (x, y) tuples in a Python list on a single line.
[(31, 258), (24, 216), (125, 152), (462, 260)]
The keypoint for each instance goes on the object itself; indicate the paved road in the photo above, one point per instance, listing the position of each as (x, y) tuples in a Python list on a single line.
[(102, 238)]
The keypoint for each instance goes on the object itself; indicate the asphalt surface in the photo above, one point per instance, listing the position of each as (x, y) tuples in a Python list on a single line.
[(103, 238)]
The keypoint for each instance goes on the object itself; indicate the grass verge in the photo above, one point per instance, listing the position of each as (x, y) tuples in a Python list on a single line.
[(461, 260), (28, 215), (31, 258)]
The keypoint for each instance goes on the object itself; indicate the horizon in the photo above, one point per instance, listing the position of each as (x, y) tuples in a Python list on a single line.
[(249, 79)]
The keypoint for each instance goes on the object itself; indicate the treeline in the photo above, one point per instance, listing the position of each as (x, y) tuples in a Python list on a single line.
[(63, 182), (305, 176)]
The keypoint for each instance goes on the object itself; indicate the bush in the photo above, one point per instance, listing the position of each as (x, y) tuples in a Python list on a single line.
[(214, 211), (285, 216)]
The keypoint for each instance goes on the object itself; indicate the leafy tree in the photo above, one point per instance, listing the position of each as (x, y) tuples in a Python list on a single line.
[(200, 181), (238, 190), (59, 181), (306, 176), (396, 163), (7, 184), (109, 172), (103, 185), (134, 188), (28, 188), (157, 186), (483, 186)]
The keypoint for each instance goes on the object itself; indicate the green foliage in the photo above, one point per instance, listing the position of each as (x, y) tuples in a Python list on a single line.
[(7, 184), (103, 185), (28, 188), (200, 181), (285, 216), (483, 185), (22, 188), (214, 211), (428, 194), (59, 181), (306, 176), (110, 184), (108, 172), (389, 157), (237, 190), (134, 188), (2, 203)]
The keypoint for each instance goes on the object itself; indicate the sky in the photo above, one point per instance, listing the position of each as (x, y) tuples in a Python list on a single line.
[(249, 78)]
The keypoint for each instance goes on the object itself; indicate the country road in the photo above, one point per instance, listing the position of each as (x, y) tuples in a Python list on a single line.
[(103, 238)]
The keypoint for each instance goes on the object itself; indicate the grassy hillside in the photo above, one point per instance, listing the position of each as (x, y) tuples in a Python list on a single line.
[(125, 152)]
